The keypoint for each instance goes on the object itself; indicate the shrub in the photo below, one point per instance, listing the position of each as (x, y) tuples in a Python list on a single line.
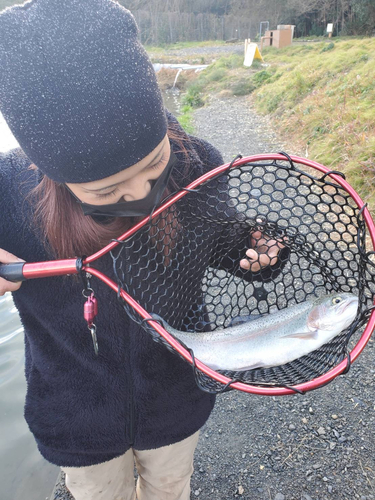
[(243, 86), (261, 77), (193, 97), (216, 74), (329, 46)]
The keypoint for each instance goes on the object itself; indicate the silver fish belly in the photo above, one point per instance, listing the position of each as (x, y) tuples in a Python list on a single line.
[(273, 339)]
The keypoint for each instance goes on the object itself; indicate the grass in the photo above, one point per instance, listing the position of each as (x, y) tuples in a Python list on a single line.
[(165, 53), (323, 97), (226, 74), (320, 96), (186, 118), (182, 45)]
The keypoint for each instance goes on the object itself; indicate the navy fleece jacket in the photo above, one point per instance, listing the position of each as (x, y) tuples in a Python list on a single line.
[(84, 409)]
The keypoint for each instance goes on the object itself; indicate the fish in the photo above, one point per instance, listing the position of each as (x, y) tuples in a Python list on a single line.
[(272, 339), (244, 319)]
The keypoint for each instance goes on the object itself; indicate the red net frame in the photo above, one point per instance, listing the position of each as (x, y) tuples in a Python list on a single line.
[(69, 266)]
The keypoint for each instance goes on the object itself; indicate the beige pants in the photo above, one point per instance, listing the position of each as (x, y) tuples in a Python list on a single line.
[(163, 474)]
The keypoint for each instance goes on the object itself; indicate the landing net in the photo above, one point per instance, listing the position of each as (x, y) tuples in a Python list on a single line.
[(184, 264)]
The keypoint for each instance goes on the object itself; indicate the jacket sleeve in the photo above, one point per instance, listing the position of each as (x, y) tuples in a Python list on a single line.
[(208, 154), (14, 176)]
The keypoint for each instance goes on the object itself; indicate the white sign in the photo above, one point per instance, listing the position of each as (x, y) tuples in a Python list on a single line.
[(251, 53), (329, 27)]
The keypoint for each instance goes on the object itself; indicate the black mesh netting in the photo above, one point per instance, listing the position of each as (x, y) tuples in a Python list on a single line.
[(184, 265)]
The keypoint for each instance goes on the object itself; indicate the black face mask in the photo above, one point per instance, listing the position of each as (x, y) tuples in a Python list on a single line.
[(136, 208)]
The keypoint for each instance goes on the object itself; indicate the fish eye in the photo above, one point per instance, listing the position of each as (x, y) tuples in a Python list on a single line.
[(336, 300)]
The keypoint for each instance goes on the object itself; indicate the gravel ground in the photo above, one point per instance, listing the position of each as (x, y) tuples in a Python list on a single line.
[(319, 446), (235, 128)]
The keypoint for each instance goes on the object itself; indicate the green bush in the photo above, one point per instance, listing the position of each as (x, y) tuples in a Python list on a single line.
[(186, 119), (193, 97), (262, 77), (257, 64), (330, 46), (216, 74), (300, 84), (243, 86)]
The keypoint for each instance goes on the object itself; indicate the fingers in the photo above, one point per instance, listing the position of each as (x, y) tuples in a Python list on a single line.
[(8, 286), (259, 239), (264, 254), (254, 264), (7, 257), (249, 266)]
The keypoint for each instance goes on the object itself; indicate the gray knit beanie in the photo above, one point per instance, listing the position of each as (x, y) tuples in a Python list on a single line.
[(77, 88)]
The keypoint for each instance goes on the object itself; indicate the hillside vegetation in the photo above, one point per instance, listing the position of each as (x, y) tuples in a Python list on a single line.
[(323, 94), (320, 95)]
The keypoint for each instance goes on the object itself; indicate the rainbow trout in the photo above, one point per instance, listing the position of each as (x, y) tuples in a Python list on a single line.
[(273, 339)]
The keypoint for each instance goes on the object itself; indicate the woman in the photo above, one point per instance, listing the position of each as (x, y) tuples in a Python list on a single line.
[(98, 149)]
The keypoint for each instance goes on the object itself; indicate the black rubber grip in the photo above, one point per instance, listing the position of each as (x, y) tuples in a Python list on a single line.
[(12, 272)]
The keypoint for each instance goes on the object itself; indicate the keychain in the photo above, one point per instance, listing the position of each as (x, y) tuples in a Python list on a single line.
[(90, 311)]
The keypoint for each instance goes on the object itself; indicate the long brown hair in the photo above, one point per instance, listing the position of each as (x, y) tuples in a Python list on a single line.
[(67, 232)]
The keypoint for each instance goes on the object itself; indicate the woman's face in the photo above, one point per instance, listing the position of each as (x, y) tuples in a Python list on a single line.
[(133, 183)]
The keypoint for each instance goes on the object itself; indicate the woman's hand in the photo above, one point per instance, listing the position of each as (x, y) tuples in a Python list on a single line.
[(8, 286), (264, 252)]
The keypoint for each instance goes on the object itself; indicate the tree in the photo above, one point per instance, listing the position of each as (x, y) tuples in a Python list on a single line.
[(165, 21)]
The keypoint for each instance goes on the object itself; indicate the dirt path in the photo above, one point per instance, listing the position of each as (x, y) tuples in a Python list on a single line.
[(233, 126)]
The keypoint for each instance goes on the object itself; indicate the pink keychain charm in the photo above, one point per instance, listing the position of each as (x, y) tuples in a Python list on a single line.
[(90, 310), (95, 302)]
